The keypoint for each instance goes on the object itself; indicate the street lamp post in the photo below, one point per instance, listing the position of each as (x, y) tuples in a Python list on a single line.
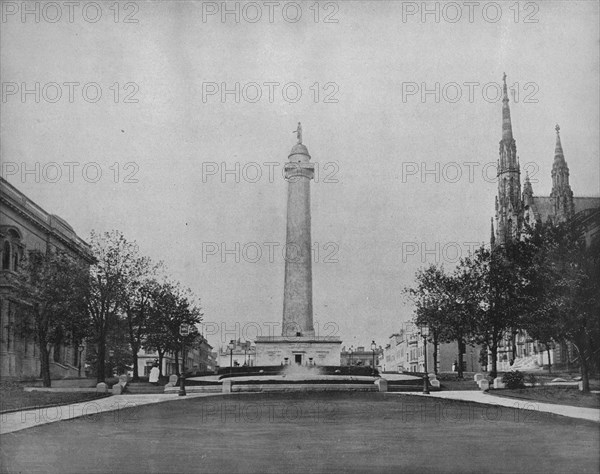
[(230, 347), (184, 330), (425, 335), (373, 347), (80, 349)]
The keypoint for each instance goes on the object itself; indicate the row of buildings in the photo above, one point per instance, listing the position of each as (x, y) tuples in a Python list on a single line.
[(405, 352), (199, 357)]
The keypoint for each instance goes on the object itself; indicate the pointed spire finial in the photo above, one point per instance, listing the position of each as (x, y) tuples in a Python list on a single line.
[(506, 123), (558, 151)]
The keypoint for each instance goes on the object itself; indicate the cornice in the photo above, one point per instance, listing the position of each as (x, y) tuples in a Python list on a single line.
[(32, 218)]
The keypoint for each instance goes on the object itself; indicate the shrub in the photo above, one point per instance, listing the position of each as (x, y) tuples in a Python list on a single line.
[(513, 379), (532, 379)]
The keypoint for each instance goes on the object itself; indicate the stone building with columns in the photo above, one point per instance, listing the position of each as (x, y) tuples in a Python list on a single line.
[(516, 208), (25, 227)]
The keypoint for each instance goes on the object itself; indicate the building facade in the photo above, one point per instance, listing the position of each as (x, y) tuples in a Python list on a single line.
[(25, 227), (361, 356), (405, 352), (515, 209), (198, 358)]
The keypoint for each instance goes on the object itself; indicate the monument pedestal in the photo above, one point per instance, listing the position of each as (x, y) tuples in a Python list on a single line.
[(304, 351)]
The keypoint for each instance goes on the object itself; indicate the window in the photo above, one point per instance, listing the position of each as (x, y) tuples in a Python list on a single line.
[(16, 259), (9, 329), (12, 250), (6, 255)]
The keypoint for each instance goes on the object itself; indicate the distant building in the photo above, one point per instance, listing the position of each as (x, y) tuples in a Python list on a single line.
[(361, 356), (405, 353), (199, 357), (148, 357), (25, 227), (243, 354)]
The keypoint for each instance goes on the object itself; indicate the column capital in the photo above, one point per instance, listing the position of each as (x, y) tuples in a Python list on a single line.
[(299, 169)]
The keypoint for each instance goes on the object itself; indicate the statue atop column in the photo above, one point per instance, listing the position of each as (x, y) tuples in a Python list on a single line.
[(298, 133)]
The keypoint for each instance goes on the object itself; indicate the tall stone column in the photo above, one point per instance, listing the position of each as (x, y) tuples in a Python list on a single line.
[(297, 299), (298, 343)]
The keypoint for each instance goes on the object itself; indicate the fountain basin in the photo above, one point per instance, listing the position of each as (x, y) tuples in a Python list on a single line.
[(296, 378)]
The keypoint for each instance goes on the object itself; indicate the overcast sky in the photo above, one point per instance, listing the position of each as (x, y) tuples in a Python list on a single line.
[(374, 211)]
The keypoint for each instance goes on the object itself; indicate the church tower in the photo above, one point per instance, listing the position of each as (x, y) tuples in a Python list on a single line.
[(530, 215), (561, 195), (509, 215)]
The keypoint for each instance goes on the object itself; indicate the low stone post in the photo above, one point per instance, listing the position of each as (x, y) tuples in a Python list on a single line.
[(382, 385)]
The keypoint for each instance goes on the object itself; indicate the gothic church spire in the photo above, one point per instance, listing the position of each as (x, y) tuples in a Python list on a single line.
[(506, 123), (509, 214), (561, 193)]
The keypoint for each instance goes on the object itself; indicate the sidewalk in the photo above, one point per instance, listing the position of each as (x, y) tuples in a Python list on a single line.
[(20, 420), (591, 414)]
